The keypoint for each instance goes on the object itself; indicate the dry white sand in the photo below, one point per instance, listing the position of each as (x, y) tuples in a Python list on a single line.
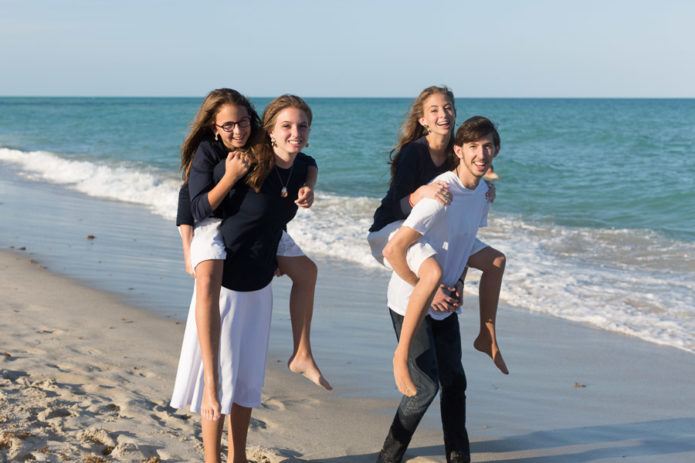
[(86, 378)]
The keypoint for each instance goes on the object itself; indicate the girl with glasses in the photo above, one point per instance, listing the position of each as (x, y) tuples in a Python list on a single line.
[(229, 166)]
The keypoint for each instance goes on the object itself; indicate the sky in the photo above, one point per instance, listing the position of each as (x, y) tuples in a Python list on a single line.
[(357, 48)]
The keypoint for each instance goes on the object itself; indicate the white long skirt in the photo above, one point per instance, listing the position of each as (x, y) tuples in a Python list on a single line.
[(245, 328)]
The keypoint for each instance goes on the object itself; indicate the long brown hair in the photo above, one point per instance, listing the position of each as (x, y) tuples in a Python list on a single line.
[(202, 128), (411, 129)]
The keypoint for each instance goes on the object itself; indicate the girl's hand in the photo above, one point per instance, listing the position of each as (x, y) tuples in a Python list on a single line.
[(459, 292), (437, 190), (236, 165), (490, 195), (305, 197), (189, 268)]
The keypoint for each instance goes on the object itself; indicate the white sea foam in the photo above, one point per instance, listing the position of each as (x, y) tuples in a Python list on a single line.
[(633, 282), (628, 281), (118, 181)]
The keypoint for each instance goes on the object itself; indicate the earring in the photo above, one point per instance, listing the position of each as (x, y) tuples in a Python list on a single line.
[(217, 136), (427, 129), (307, 145), (273, 142)]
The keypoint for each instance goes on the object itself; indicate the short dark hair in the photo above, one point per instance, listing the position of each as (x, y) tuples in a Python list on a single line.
[(474, 129)]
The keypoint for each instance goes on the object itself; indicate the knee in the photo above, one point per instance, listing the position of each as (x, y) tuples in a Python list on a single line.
[(455, 381), (430, 273), (304, 273), (489, 260), (495, 263), (205, 282), (387, 252), (499, 262)]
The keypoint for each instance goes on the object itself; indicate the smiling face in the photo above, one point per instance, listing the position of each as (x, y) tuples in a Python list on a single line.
[(438, 114), (476, 157), (290, 132), (237, 116)]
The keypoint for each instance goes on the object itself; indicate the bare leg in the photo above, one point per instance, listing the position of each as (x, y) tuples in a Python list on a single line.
[(212, 438), (491, 262), (207, 317), (429, 278), (302, 271), (239, 421)]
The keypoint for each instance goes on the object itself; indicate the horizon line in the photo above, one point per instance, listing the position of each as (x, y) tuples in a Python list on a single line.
[(381, 97)]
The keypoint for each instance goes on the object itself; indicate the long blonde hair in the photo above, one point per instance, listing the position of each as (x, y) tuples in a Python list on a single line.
[(411, 129), (202, 128)]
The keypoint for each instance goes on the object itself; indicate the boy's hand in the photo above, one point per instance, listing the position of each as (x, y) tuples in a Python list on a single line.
[(305, 198), (445, 299)]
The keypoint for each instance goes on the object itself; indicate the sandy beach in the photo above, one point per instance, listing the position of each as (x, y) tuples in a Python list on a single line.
[(86, 374), (86, 378)]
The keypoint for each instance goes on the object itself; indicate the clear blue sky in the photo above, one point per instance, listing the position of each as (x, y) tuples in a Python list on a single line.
[(492, 48)]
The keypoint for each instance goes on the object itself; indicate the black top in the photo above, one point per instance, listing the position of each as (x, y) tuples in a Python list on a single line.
[(253, 224), (201, 177), (414, 169)]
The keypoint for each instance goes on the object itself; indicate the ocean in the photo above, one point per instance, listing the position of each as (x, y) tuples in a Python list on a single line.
[(595, 204)]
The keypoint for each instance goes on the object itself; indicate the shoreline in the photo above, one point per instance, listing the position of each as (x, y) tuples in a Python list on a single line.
[(85, 376)]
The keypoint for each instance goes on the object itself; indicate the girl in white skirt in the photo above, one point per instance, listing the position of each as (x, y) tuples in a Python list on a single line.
[(227, 354), (200, 208)]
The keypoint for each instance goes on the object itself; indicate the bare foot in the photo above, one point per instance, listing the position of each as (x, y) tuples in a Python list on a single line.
[(487, 343), (306, 366), (210, 406), (404, 382)]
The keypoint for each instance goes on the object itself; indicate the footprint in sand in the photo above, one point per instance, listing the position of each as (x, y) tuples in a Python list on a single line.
[(45, 384), (97, 436), (142, 372), (13, 375), (54, 413), (257, 424), (258, 454), (273, 404), (128, 449)]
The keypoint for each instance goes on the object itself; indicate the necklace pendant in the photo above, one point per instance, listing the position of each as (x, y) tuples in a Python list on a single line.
[(283, 192)]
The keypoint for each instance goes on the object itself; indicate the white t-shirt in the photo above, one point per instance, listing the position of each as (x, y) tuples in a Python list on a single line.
[(450, 230)]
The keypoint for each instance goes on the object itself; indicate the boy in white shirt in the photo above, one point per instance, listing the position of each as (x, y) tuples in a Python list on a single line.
[(429, 347)]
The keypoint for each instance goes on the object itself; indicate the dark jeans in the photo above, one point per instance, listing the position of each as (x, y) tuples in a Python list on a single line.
[(435, 359)]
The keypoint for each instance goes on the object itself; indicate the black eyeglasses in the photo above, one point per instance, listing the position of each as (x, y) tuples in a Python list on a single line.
[(229, 126)]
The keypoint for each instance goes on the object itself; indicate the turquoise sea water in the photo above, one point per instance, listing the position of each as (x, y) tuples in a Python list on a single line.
[(595, 207)]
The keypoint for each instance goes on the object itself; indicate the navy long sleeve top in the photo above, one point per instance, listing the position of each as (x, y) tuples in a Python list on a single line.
[(253, 223), (201, 177), (414, 169)]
